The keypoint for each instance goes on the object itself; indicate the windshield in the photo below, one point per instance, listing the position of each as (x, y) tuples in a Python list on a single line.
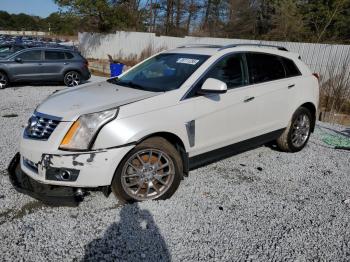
[(8, 50), (161, 73)]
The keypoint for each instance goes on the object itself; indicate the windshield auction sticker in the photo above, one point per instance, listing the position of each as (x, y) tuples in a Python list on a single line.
[(188, 61)]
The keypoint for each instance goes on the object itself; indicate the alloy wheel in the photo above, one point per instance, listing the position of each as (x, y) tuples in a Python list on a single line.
[(72, 79), (147, 174), (300, 130), (3, 81)]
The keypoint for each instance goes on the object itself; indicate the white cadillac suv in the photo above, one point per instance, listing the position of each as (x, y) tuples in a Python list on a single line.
[(139, 134)]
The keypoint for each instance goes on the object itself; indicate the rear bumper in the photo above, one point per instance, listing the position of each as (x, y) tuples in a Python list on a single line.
[(48, 194), (85, 74)]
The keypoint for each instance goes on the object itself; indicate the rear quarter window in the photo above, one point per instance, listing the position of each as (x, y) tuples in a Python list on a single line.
[(290, 67)]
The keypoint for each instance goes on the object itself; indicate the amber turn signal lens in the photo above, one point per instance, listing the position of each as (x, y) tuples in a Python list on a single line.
[(68, 137)]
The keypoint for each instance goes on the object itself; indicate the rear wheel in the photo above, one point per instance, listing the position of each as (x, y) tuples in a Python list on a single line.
[(4, 81), (72, 78), (152, 170), (297, 134)]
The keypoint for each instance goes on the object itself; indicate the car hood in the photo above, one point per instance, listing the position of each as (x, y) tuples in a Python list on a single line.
[(70, 103)]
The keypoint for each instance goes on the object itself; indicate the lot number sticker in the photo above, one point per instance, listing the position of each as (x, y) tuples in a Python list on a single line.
[(187, 61)]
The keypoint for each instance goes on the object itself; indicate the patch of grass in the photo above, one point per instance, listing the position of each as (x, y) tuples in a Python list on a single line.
[(99, 73)]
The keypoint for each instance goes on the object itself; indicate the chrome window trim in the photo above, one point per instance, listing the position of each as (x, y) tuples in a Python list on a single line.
[(185, 96)]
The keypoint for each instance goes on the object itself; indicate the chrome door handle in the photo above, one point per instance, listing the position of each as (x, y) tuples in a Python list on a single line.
[(65, 63), (248, 99), (291, 86)]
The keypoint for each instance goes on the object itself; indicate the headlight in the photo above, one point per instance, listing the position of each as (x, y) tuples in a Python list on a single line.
[(84, 130)]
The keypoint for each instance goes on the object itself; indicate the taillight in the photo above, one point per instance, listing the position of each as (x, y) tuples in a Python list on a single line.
[(316, 75)]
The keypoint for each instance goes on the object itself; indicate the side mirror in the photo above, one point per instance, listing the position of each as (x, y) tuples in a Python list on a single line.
[(18, 60), (213, 86)]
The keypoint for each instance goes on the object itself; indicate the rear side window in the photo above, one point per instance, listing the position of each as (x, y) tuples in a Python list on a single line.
[(69, 55), (264, 67), (30, 55), (54, 55), (291, 68)]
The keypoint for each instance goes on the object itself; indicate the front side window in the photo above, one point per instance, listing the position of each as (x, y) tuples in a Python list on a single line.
[(54, 55), (229, 70), (264, 67), (30, 55), (162, 73)]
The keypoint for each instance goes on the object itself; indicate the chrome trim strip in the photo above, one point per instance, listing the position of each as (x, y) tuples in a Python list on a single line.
[(191, 132), (50, 117)]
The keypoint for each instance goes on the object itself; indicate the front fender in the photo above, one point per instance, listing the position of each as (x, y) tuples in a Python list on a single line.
[(126, 131), (4, 69)]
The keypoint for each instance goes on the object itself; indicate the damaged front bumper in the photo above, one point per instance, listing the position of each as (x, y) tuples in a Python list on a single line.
[(88, 169), (58, 177), (48, 194)]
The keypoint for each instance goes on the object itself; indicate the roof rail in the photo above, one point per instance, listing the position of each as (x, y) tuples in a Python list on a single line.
[(259, 45), (201, 46)]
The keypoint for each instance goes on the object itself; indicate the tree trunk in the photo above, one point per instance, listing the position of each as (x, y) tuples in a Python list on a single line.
[(206, 16), (189, 18), (169, 16), (178, 14)]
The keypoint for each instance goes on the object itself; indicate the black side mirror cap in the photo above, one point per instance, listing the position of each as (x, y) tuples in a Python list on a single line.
[(18, 60)]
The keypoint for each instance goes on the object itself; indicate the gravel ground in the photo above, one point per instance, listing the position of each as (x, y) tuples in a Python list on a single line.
[(257, 206)]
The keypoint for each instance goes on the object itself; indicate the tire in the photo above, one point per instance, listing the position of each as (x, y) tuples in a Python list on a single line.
[(72, 78), (136, 182), (297, 134), (4, 81)]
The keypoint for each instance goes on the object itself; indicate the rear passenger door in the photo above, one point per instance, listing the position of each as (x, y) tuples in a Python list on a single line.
[(272, 91), (54, 63)]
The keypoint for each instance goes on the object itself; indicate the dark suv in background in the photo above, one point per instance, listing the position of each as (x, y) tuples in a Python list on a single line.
[(44, 64)]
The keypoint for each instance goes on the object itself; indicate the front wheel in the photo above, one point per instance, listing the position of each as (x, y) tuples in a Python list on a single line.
[(151, 171), (72, 78), (297, 134)]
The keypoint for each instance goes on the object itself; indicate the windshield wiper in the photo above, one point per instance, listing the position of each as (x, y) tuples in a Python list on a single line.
[(131, 84), (113, 80), (134, 85), (117, 81)]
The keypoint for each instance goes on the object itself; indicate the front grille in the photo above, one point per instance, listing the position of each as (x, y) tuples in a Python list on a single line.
[(41, 126)]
